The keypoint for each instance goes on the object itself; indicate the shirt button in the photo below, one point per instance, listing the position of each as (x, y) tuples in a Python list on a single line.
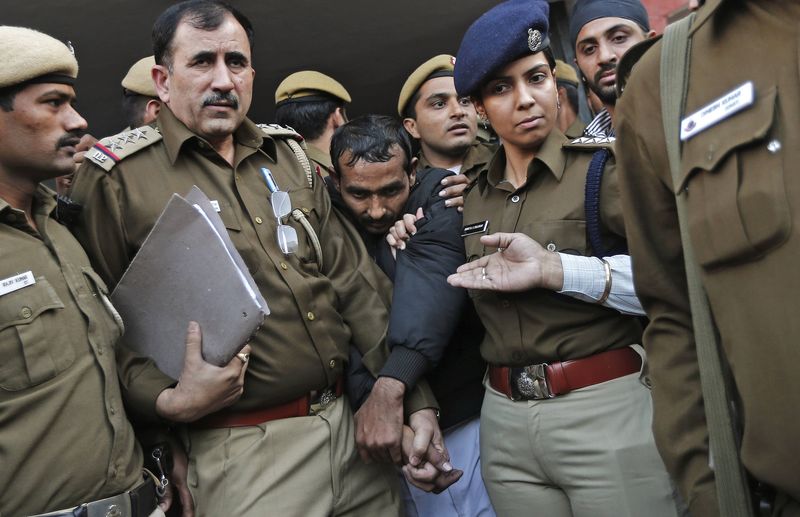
[(26, 312), (259, 220), (332, 364), (310, 316), (551, 246), (284, 266), (238, 178), (515, 199)]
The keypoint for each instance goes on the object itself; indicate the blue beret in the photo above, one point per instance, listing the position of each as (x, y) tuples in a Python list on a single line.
[(501, 35), (586, 11)]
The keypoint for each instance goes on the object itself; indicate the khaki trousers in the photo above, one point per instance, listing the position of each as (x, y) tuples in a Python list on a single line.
[(587, 453), (305, 466)]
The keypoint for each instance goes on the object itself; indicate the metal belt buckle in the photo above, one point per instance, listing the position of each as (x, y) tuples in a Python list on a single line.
[(326, 398), (532, 382), (117, 506)]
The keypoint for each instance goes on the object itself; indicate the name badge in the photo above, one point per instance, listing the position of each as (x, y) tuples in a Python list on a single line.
[(720, 109), (215, 204), (17, 282), (475, 228)]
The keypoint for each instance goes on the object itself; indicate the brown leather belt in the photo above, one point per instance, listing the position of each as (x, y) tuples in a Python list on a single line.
[(548, 380), (138, 502), (302, 406)]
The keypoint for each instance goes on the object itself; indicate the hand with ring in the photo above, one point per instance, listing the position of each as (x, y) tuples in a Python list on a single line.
[(520, 264)]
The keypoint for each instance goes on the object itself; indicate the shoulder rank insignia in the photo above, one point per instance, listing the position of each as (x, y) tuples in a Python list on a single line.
[(108, 151), (279, 131), (591, 143)]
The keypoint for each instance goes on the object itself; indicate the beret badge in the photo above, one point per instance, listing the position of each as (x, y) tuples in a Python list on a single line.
[(535, 40)]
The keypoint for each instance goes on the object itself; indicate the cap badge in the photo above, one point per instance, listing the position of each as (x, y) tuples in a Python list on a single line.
[(534, 40)]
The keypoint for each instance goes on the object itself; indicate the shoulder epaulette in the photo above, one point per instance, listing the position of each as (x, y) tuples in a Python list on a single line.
[(279, 131), (108, 151), (591, 143)]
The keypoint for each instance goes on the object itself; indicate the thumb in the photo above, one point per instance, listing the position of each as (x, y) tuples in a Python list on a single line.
[(194, 342), (422, 437), (438, 455), (419, 215)]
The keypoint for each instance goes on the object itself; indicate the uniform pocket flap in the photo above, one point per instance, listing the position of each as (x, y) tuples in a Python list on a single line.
[(708, 148), (25, 305)]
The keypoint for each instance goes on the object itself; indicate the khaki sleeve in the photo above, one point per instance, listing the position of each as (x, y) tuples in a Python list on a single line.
[(100, 231), (99, 227), (655, 246)]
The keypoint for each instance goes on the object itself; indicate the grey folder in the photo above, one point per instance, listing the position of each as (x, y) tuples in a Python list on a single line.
[(188, 269)]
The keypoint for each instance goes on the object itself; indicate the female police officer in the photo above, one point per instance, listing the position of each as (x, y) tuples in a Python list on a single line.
[(565, 427)]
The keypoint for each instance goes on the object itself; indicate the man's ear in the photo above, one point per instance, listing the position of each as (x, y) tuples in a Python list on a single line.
[(411, 126), (650, 34), (412, 175), (160, 76), (339, 118), (151, 110)]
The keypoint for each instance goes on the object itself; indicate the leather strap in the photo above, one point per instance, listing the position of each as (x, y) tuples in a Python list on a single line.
[(563, 377), (292, 409)]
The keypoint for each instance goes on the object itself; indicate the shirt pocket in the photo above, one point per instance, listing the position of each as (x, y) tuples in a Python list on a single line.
[(30, 345), (733, 176), (561, 235)]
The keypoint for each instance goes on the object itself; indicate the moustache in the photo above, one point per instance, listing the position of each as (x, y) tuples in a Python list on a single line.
[(70, 139), (387, 219), (606, 67), (219, 98)]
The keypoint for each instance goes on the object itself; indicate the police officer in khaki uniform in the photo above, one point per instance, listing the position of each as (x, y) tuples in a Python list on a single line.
[(65, 443), (288, 445), (565, 424), (140, 102), (444, 124), (743, 219), (313, 104)]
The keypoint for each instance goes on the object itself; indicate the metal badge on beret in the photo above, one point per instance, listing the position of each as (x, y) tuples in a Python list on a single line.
[(535, 40)]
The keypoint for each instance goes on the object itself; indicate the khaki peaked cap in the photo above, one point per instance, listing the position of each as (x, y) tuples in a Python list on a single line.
[(442, 62), (309, 83), (27, 54), (565, 72), (138, 79)]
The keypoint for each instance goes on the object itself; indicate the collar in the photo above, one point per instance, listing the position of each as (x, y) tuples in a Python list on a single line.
[(600, 125), (44, 202), (550, 155), (176, 134), (319, 156), (706, 12)]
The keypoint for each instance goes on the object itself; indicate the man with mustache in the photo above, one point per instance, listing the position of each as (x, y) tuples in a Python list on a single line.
[(66, 445), (287, 447), (601, 31)]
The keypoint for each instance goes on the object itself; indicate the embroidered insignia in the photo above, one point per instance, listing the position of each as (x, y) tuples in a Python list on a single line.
[(109, 151), (534, 40)]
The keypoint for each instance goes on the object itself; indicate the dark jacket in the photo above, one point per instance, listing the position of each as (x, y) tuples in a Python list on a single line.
[(433, 327)]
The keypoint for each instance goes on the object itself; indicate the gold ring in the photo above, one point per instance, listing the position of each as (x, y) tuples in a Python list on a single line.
[(243, 357)]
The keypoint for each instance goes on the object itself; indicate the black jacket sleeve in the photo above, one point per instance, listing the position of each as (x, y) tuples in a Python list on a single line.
[(425, 308)]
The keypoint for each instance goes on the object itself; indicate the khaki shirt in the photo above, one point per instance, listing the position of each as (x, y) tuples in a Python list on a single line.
[(540, 325), (316, 313), (743, 195), (320, 161), (64, 436), (476, 159)]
